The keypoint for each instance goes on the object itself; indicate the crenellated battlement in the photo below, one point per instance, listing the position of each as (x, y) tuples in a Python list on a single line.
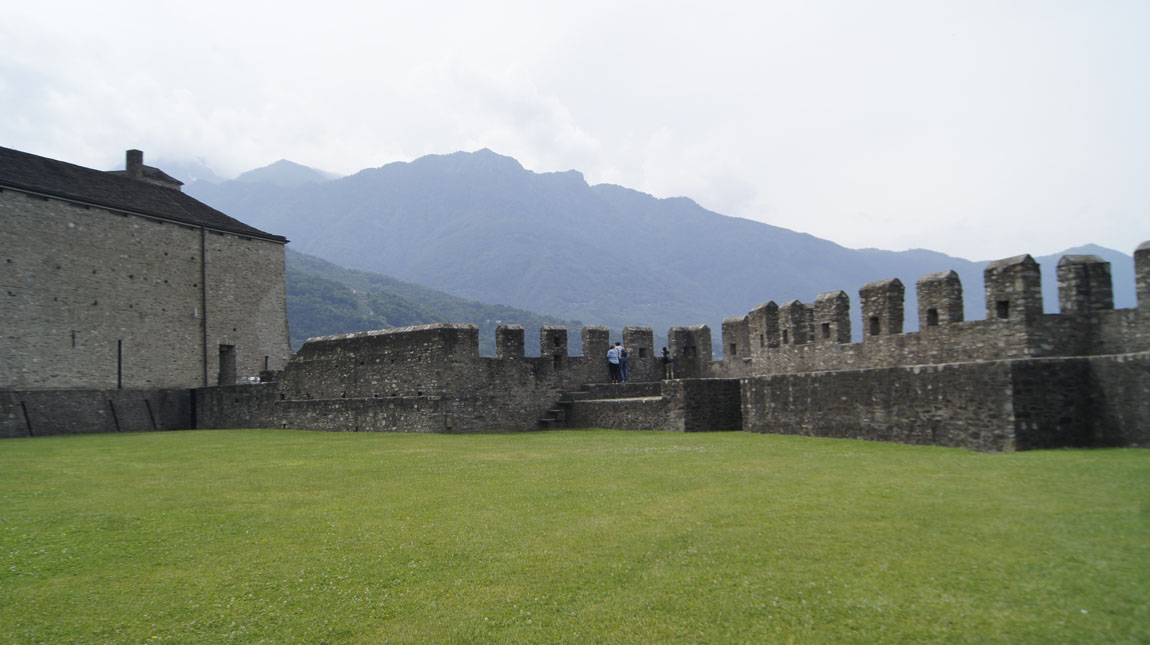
[(800, 337), (796, 337)]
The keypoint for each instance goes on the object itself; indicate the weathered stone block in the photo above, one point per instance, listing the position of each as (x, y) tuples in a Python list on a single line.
[(795, 320), (509, 341), (736, 340), (763, 328), (832, 318), (939, 300), (1013, 289), (1084, 284), (1142, 274), (882, 307)]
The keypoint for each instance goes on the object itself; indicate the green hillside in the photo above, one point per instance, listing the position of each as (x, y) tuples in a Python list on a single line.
[(323, 299)]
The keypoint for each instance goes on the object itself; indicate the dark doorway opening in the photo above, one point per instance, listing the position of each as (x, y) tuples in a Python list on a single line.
[(227, 365)]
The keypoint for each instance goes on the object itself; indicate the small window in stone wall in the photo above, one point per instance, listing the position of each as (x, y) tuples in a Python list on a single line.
[(875, 326), (555, 339), (932, 317), (826, 330), (734, 349), (785, 341), (1002, 309), (762, 340), (642, 352)]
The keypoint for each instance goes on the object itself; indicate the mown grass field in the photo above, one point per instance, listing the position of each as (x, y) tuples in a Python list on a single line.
[(570, 536)]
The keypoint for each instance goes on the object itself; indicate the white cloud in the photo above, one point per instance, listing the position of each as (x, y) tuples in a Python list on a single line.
[(978, 128)]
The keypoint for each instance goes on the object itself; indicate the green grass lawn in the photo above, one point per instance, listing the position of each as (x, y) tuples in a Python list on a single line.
[(594, 536)]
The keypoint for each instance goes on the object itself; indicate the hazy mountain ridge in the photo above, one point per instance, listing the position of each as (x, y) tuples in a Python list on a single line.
[(284, 174), (324, 298), (480, 226)]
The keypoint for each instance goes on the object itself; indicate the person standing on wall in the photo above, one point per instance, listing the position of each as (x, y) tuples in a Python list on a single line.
[(613, 362), (623, 371), (668, 364)]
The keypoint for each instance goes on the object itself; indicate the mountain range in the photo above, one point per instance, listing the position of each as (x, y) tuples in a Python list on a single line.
[(481, 227), (324, 298)]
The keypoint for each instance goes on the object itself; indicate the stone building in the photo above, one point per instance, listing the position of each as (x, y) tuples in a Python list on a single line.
[(120, 281)]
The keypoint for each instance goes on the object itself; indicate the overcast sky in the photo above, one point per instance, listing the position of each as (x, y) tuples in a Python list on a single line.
[(982, 129)]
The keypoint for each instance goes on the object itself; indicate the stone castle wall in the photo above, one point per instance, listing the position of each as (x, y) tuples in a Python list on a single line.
[(428, 378), (796, 338), (987, 405), (97, 298), (1019, 379)]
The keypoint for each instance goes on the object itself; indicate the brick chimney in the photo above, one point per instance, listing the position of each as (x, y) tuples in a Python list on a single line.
[(134, 164)]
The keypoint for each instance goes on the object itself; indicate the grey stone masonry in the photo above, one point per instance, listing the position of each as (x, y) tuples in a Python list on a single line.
[(1013, 289), (41, 413), (1084, 284), (596, 342), (97, 298), (639, 341), (736, 338), (833, 318), (989, 406), (118, 280), (509, 341), (691, 347), (553, 343), (882, 307), (939, 300), (1142, 274), (643, 358), (794, 323), (763, 328), (946, 337)]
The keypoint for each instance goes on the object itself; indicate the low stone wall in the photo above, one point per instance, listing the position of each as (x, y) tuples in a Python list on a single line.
[(693, 405), (40, 413), (986, 406), (640, 413), (266, 406)]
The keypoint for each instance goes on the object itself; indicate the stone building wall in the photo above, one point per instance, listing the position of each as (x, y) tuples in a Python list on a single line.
[(246, 304), (97, 298), (82, 284)]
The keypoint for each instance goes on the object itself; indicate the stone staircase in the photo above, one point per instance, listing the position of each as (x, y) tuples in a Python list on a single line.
[(590, 393)]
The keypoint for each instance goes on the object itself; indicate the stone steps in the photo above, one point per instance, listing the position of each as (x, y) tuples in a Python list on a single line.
[(558, 415)]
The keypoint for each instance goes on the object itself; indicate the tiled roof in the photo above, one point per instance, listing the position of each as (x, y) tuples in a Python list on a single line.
[(25, 171)]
